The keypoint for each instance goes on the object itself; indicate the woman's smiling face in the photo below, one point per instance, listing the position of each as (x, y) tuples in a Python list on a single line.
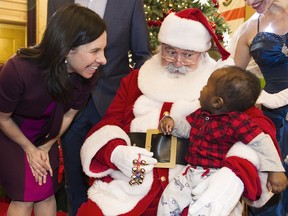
[(86, 58), (260, 6)]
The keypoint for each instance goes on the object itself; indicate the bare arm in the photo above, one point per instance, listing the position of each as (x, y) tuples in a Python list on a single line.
[(37, 157), (242, 54), (240, 42), (67, 119)]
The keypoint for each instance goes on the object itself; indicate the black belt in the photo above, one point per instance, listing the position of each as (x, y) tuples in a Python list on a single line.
[(161, 146)]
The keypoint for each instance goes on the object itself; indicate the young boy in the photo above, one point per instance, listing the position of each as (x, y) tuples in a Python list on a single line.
[(212, 130)]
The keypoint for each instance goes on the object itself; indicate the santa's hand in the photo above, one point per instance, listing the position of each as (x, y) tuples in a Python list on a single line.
[(219, 193), (123, 157)]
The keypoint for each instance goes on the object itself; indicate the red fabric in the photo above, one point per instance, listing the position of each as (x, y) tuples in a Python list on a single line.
[(120, 114), (264, 123), (149, 204), (248, 173), (120, 111), (213, 135), (146, 207), (185, 212), (101, 161), (196, 15), (61, 162), (166, 107), (89, 209), (4, 207)]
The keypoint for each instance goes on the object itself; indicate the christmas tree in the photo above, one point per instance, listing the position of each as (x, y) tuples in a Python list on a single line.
[(157, 10)]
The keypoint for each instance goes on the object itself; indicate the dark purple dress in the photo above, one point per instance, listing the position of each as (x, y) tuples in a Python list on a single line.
[(24, 93)]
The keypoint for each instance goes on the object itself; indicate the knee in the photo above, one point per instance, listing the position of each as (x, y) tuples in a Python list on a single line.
[(19, 204), (49, 199)]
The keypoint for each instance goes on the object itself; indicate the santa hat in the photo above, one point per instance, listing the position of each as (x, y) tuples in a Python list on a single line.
[(189, 29)]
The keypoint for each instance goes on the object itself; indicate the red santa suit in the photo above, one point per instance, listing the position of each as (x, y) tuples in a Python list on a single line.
[(136, 108), (140, 101)]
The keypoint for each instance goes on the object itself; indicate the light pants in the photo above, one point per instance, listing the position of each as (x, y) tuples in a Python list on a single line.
[(177, 195)]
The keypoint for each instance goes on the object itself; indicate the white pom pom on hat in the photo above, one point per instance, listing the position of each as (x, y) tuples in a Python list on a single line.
[(189, 29)]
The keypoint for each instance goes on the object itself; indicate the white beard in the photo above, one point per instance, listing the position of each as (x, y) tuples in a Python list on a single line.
[(159, 85), (156, 82), (176, 72)]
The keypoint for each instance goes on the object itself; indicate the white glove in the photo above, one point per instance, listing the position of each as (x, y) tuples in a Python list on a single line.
[(273, 101), (123, 157), (218, 194)]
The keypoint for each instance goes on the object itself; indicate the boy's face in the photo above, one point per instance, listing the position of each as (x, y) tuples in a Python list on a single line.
[(208, 92)]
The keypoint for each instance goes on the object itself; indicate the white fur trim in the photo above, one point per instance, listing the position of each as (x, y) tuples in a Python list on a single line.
[(158, 87), (156, 82), (182, 108), (152, 78), (146, 112), (184, 33), (95, 142), (119, 197), (123, 196), (119, 192), (243, 151)]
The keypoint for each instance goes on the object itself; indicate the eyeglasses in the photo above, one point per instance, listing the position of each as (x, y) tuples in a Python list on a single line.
[(185, 57)]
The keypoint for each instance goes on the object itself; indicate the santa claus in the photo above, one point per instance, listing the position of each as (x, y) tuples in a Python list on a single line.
[(170, 81)]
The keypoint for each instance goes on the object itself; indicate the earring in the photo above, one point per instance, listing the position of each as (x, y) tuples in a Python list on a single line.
[(65, 61)]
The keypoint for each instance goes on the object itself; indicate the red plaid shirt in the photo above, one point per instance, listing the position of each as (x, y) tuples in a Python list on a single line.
[(212, 135)]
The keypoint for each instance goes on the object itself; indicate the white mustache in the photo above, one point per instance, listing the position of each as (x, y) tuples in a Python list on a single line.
[(172, 69)]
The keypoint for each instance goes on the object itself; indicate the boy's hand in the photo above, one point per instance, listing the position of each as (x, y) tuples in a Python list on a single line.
[(166, 125), (276, 182)]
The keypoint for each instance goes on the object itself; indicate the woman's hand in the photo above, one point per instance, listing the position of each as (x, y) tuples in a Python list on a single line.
[(46, 148), (38, 160)]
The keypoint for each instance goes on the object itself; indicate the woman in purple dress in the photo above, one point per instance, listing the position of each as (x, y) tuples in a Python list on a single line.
[(41, 89)]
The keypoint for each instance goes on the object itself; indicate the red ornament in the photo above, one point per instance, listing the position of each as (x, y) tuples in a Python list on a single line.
[(213, 25), (216, 3), (152, 23), (61, 163), (220, 37)]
